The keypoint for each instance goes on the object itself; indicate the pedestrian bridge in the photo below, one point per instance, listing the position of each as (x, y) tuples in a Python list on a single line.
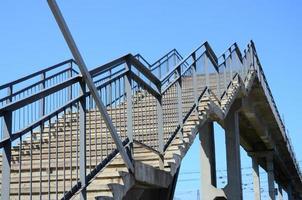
[(57, 144)]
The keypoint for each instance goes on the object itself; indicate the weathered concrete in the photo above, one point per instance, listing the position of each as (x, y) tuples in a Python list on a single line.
[(280, 194), (233, 189), (270, 176), (256, 179), (208, 166)]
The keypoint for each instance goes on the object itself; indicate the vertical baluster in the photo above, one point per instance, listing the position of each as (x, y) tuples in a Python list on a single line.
[(129, 105), (90, 132), (77, 140), (194, 79), (31, 165), (70, 144), (49, 156), (69, 75), (82, 122), (40, 174), (20, 168), (179, 103), (224, 74), (42, 101), (64, 151), (57, 153)]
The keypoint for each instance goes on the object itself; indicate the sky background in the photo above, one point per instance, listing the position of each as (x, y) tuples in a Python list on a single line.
[(30, 40)]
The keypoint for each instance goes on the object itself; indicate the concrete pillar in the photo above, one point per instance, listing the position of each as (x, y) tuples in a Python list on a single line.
[(234, 188), (280, 195), (207, 157), (256, 179), (289, 193), (270, 177)]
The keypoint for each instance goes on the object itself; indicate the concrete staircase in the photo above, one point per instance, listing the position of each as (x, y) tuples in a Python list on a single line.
[(58, 143)]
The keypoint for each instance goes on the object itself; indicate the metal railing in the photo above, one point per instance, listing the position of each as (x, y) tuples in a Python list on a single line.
[(51, 131)]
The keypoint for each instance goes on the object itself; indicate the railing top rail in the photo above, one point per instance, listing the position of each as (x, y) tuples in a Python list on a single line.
[(167, 55), (6, 85), (108, 66), (139, 56), (209, 52)]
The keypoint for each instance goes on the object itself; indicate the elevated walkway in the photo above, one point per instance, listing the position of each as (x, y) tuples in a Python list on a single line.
[(57, 145)]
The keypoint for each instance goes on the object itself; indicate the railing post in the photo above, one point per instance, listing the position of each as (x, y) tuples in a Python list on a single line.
[(6, 152), (167, 64), (195, 81), (129, 110), (42, 101), (206, 70), (69, 90), (231, 65), (82, 123), (174, 58), (179, 103), (159, 108), (224, 73)]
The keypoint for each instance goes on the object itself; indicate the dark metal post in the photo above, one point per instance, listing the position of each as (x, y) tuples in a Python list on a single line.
[(195, 81), (6, 153), (129, 110), (69, 91), (179, 102), (82, 113), (224, 74), (231, 65), (206, 70), (42, 101)]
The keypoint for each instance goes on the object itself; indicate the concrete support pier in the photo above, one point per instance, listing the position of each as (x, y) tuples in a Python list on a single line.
[(280, 195), (208, 164), (270, 176), (289, 193), (256, 179), (233, 189)]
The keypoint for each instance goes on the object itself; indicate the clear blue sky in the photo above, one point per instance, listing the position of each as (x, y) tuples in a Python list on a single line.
[(104, 30)]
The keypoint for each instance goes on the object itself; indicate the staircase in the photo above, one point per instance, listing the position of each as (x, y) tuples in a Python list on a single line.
[(156, 110)]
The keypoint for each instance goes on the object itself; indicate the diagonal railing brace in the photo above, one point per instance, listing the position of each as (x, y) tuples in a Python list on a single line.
[(88, 80)]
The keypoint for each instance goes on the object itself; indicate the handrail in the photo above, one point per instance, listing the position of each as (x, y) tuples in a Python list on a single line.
[(35, 74), (33, 85)]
